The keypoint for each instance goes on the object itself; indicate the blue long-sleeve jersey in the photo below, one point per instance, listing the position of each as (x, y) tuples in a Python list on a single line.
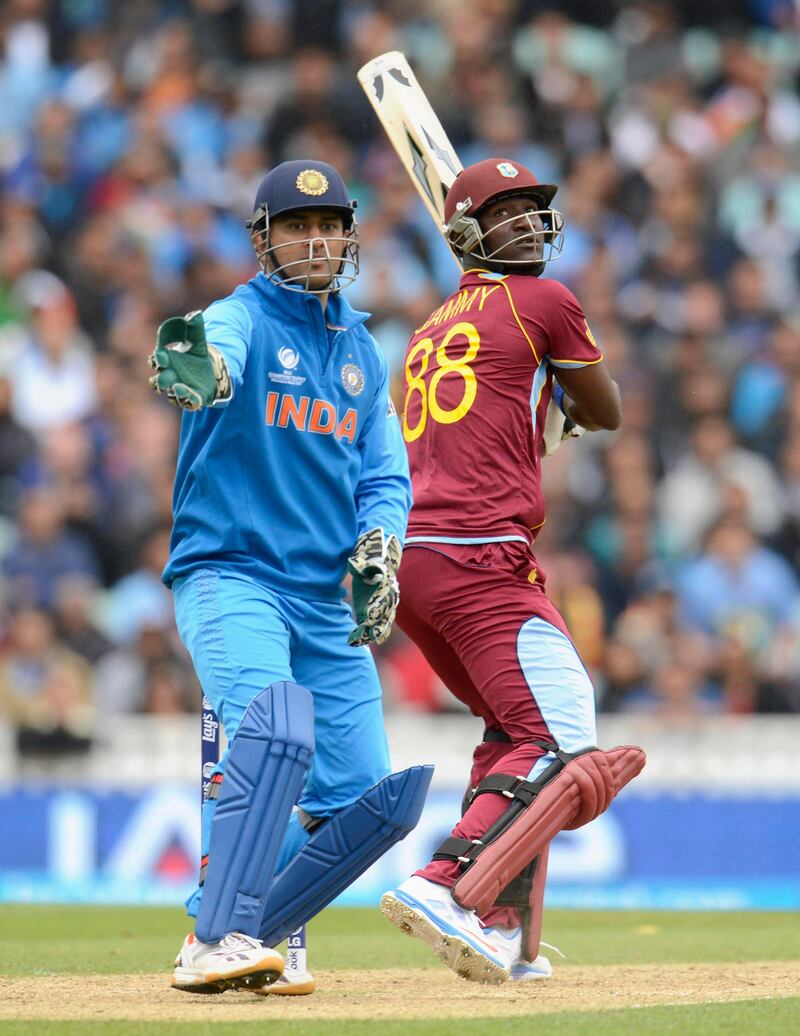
[(278, 481)]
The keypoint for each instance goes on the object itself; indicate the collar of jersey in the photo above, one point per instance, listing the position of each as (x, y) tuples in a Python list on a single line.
[(485, 275), (339, 314)]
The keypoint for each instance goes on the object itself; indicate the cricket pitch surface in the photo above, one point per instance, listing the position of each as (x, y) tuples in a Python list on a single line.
[(392, 993)]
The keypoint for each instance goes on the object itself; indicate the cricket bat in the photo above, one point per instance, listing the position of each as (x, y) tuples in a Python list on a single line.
[(413, 129), (421, 143)]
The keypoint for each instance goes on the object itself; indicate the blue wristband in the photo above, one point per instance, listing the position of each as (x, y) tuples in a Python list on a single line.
[(558, 396)]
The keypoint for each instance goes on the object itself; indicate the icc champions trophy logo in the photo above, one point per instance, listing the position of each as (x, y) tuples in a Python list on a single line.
[(288, 358)]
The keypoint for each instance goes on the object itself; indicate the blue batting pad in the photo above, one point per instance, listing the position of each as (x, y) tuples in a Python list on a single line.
[(267, 761), (342, 848)]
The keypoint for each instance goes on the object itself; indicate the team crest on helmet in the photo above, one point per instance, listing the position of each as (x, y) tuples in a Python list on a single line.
[(507, 169), (353, 379), (312, 181)]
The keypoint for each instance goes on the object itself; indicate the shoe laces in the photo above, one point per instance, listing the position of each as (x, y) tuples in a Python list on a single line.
[(511, 933), (237, 938)]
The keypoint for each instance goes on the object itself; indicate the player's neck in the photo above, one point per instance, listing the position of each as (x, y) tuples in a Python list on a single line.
[(473, 263), (504, 269)]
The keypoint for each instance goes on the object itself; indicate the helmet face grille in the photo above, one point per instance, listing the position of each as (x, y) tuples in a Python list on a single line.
[(295, 275), (466, 237)]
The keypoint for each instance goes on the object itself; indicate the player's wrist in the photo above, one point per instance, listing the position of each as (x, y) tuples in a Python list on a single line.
[(223, 386), (376, 551), (373, 567), (577, 417)]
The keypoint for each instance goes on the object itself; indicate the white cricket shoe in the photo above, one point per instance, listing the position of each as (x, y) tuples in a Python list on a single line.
[(426, 910), (522, 970), (237, 961), (525, 970), (291, 983)]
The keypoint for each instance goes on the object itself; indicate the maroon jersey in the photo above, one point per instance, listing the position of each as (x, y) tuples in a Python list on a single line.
[(478, 377)]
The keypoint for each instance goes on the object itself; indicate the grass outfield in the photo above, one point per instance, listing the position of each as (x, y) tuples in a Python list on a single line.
[(50, 946)]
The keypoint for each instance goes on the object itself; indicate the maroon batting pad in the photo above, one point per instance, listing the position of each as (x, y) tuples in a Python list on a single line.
[(581, 792)]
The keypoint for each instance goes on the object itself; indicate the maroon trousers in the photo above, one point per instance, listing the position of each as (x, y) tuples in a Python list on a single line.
[(464, 607)]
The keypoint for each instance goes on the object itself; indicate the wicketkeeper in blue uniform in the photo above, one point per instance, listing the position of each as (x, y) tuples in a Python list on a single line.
[(291, 471)]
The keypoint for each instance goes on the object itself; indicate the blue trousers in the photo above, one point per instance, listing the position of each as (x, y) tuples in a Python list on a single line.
[(242, 637)]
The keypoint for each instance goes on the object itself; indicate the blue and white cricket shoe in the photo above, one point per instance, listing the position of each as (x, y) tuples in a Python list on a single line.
[(522, 970), (426, 910)]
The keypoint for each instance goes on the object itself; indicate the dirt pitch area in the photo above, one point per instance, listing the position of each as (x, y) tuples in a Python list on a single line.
[(392, 994)]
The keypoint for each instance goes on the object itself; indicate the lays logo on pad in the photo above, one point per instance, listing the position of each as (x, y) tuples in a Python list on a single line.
[(310, 415)]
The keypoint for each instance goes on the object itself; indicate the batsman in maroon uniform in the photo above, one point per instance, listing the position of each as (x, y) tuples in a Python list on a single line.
[(480, 375)]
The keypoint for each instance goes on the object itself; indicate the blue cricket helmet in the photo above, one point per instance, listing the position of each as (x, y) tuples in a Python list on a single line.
[(304, 184)]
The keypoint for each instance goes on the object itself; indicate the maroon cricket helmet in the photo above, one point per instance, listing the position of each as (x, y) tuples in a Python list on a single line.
[(494, 178)]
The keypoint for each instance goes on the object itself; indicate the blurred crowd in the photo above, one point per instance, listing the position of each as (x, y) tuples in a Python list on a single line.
[(132, 139)]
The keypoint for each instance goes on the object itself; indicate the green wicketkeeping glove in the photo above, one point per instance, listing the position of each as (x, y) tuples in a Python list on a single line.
[(376, 592), (192, 373)]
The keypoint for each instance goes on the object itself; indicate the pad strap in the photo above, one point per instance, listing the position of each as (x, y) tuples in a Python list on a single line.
[(307, 822), (496, 735), (464, 850), (213, 787), (521, 788), (518, 790)]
